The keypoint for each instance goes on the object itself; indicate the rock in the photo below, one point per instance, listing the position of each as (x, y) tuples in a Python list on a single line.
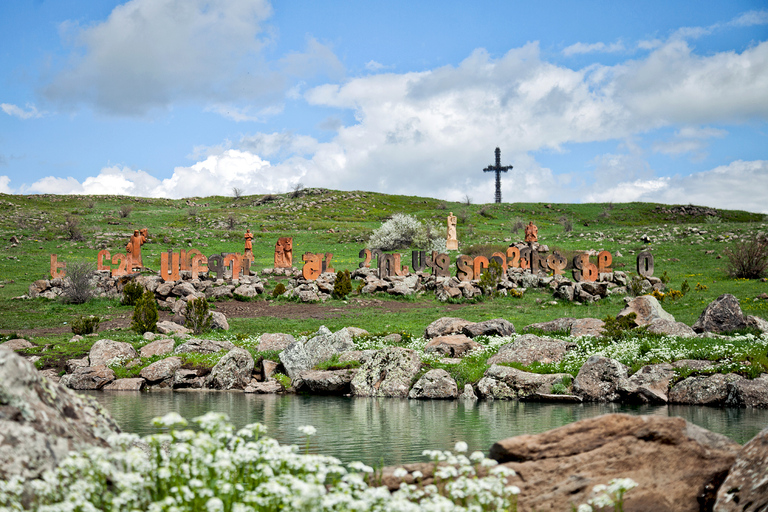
[(670, 328), (134, 384), (445, 326), (745, 489), (677, 465), (164, 289), (16, 344), (167, 327), (246, 290), (468, 393), (157, 348), (276, 341), (161, 371), (220, 292), (711, 390), (356, 355), (599, 379), (73, 364), (559, 325), (693, 364), (219, 321), (325, 382), (305, 354), (202, 346), (269, 387), (495, 327), (88, 377), (758, 323), (356, 331), (105, 351), (503, 383), (748, 392), (455, 345), (233, 371), (649, 385), (187, 379), (587, 327), (183, 288), (529, 348), (721, 315), (647, 308), (436, 383), (387, 373), (308, 296), (41, 422)]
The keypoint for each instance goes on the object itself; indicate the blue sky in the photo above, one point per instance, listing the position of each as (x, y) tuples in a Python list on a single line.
[(589, 101)]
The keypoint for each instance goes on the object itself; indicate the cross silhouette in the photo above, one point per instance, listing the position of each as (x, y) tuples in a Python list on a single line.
[(498, 169)]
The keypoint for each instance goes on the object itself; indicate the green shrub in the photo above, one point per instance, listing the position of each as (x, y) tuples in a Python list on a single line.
[(685, 287), (615, 328), (635, 286), (343, 285), (283, 379), (145, 314), (490, 279), (197, 316), (131, 293), (748, 260), (279, 290), (79, 289), (86, 325), (563, 387), (334, 364)]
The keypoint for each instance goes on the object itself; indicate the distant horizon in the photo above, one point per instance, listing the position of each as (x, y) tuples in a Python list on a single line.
[(664, 102)]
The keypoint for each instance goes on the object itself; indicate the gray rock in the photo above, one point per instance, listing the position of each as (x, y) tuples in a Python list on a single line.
[(183, 288), (647, 309), (164, 289), (88, 377), (495, 327), (529, 348), (157, 348), (356, 331), (167, 327), (356, 355), (104, 351), (308, 296), (73, 364), (710, 390), (670, 328), (468, 393), (559, 325), (233, 371), (16, 344), (757, 323), (455, 345), (445, 326), (305, 354), (134, 384), (649, 385), (721, 315), (187, 379), (387, 373), (748, 392), (219, 321), (587, 327), (202, 346), (511, 383), (745, 489), (275, 341), (269, 387), (325, 382), (600, 379), (161, 371), (435, 384), (246, 290), (41, 422)]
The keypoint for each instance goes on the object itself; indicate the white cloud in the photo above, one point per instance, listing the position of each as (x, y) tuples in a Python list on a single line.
[(13, 110), (750, 18), (239, 114), (689, 139), (581, 48), (4, 185), (374, 66)]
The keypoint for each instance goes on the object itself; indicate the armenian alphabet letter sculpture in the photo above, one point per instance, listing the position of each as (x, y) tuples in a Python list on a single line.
[(284, 252), (451, 242), (531, 232)]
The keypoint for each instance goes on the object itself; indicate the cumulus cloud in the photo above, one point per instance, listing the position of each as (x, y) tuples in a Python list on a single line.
[(31, 111), (581, 48), (689, 139), (4, 185), (750, 18)]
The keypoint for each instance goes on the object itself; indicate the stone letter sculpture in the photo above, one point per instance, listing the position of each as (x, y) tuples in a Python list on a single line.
[(531, 232), (248, 244), (645, 264), (451, 242), (57, 269), (284, 252)]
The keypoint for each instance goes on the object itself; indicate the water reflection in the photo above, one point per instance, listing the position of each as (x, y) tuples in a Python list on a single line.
[(395, 431)]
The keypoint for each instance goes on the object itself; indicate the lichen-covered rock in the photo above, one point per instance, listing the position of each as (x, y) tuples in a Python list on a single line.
[(599, 379), (219, 321), (275, 341), (88, 377), (387, 373), (202, 346), (325, 382), (650, 384), (647, 309), (748, 392), (495, 327), (503, 383), (435, 384), (711, 390), (41, 422), (445, 326), (157, 348), (454, 345), (161, 371), (745, 489), (304, 354), (233, 371), (168, 327), (529, 348), (587, 327), (269, 387), (105, 351), (558, 325), (188, 379), (16, 344), (721, 315), (131, 384), (468, 393), (670, 328), (758, 323)]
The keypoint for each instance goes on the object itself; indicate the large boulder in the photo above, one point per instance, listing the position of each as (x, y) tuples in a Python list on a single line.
[(157, 348), (454, 345), (495, 327), (106, 351), (721, 315), (275, 341), (130, 384), (16, 344), (161, 372), (557, 325), (436, 383), (587, 327), (505, 383), (41, 422), (649, 385), (599, 379), (445, 326), (202, 346), (677, 465), (325, 382), (219, 321), (529, 348), (171, 328), (745, 489), (670, 328), (748, 392), (710, 390), (88, 377), (233, 371), (388, 373), (647, 309), (304, 354)]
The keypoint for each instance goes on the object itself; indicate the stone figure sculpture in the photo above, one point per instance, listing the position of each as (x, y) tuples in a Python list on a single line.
[(531, 232), (284, 252), (451, 242), (248, 241), (133, 249)]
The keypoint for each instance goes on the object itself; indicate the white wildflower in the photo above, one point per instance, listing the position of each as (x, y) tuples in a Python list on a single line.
[(460, 447), (307, 430)]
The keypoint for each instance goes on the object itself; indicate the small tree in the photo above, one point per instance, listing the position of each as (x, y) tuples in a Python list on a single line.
[(237, 193), (72, 229), (86, 325), (343, 285), (145, 314), (132, 291), (125, 211), (748, 260), (79, 288), (404, 232), (197, 316), (490, 279)]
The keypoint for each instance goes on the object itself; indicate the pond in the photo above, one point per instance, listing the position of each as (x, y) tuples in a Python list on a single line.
[(393, 431)]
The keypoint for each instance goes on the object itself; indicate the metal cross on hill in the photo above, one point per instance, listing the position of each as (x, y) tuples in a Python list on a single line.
[(498, 169)]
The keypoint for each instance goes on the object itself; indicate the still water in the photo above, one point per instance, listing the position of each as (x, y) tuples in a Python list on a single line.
[(395, 431)]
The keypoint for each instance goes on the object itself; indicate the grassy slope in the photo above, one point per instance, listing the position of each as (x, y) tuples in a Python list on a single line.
[(340, 222)]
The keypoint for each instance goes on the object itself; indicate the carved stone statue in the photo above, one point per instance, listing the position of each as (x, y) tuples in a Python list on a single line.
[(451, 242), (133, 249), (248, 244), (284, 252), (531, 232)]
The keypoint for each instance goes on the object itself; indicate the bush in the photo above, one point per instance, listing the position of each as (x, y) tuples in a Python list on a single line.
[(490, 279), (405, 232), (145, 314), (343, 285), (85, 325), (635, 286), (279, 290), (125, 211), (685, 287), (132, 291), (197, 316), (567, 224), (72, 229), (615, 328), (80, 289), (748, 260)]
